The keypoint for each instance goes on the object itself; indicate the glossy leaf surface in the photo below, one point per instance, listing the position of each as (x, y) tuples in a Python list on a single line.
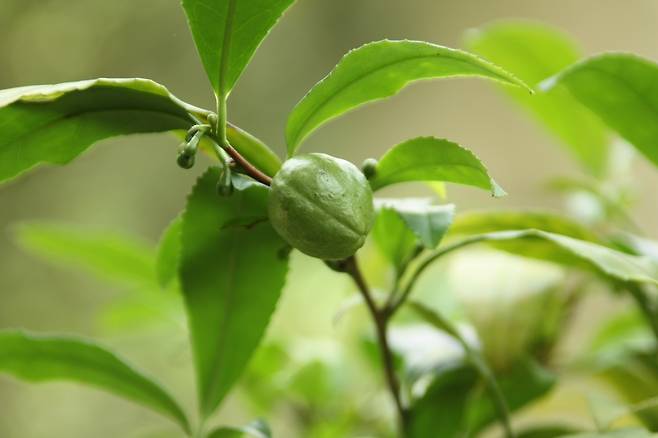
[(378, 70), (432, 159), (235, 26), (56, 123)]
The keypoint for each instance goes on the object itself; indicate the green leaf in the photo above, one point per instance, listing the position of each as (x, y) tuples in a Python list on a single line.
[(235, 26), (432, 159), (111, 256), (572, 253), (256, 429), (552, 431), (621, 433), (443, 410), (429, 223), (393, 237), (620, 89), (56, 123), (378, 70), (534, 52), (478, 222), (168, 257), (43, 358), (232, 272)]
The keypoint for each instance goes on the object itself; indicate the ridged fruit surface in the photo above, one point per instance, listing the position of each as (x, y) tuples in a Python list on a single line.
[(321, 205)]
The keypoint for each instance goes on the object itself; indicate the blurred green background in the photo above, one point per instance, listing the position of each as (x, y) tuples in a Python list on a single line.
[(133, 186)]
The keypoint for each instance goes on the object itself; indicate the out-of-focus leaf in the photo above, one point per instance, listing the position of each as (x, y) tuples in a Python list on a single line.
[(56, 123), (553, 431), (432, 159), (524, 383), (232, 272), (256, 429), (111, 256), (574, 253), (44, 358), (620, 433), (168, 256), (378, 70), (534, 52), (453, 403), (230, 31), (635, 378), (443, 410), (478, 222), (428, 222), (620, 89)]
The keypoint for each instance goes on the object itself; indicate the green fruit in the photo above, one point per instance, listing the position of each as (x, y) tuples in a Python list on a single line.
[(322, 206)]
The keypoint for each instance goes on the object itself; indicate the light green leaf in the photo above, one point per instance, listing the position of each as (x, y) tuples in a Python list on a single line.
[(428, 222), (168, 257), (572, 253), (393, 237), (44, 358), (235, 26), (620, 89), (111, 256), (256, 429), (478, 222), (534, 52), (378, 70), (621, 433), (432, 159), (56, 123), (233, 267)]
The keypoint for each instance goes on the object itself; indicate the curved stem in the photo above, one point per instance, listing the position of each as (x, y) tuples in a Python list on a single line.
[(380, 318), (427, 262)]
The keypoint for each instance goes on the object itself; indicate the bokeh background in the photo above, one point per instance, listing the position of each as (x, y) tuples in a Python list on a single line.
[(133, 186)]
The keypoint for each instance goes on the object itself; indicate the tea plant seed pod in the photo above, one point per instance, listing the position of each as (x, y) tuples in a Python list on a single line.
[(321, 205)]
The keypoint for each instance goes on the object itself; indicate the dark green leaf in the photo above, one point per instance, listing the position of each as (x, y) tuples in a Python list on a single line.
[(520, 385), (168, 257), (432, 159), (378, 70), (428, 222), (237, 26), (56, 123), (620, 89), (232, 272), (553, 431), (443, 409), (256, 429), (44, 358), (534, 52), (111, 256)]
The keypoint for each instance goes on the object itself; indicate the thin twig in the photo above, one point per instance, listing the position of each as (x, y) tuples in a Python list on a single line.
[(252, 170), (380, 319)]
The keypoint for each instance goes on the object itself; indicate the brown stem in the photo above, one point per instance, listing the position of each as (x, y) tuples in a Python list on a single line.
[(380, 318), (247, 166)]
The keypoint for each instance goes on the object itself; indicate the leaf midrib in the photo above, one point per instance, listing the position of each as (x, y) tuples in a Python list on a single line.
[(372, 72)]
